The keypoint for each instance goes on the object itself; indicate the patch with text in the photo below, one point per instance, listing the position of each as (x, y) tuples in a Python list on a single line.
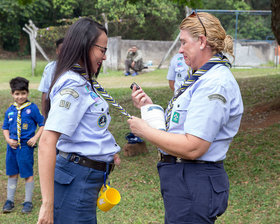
[(217, 97), (65, 104), (69, 91)]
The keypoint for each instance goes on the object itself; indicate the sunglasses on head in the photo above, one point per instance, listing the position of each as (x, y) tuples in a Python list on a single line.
[(194, 14)]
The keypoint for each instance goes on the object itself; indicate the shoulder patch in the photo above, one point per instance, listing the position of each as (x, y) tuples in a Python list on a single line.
[(65, 104), (217, 97), (69, 91)]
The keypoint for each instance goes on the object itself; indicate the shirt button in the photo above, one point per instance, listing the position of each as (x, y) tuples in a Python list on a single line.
[(116, 145), (108, 113), (102, 109), (178, 105)]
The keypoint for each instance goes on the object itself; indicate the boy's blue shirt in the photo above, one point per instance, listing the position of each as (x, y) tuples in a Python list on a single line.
[(30, 118)]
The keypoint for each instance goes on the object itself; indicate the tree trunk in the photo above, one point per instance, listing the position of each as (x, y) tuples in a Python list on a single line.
[(275, 19)]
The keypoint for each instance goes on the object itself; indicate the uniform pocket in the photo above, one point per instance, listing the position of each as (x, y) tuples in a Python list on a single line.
[(62, 180), (220, 193)]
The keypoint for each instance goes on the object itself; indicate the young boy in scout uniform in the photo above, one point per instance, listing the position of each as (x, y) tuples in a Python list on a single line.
[(20, 123)]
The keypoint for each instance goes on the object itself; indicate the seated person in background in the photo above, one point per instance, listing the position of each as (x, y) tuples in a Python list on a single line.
[(134, 61), (178, 71)]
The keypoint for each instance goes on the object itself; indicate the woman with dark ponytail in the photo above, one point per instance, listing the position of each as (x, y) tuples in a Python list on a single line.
[(77, 129)]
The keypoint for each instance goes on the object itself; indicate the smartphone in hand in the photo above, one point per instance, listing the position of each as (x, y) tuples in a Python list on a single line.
[(134, 84)]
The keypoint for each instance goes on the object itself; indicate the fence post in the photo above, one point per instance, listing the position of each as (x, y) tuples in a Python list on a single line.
[(188, 12), (105, 63), (31, 30)]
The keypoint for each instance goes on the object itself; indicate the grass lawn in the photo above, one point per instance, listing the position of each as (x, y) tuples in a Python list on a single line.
[(252, 161), (112, 79)]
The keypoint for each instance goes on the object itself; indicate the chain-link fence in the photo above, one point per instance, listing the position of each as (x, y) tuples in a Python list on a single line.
[(254, 42)]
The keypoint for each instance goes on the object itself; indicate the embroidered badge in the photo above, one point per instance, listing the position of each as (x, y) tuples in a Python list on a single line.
[(25, 126), (10, 114), (217, 97), (102, 120), (180, 64), (65, 104), (28, 111), (176, 117), (69, 91), (93, 95)]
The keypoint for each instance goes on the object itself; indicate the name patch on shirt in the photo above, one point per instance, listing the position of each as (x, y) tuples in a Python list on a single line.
[(217, 97), (93, 95), (69, 91)]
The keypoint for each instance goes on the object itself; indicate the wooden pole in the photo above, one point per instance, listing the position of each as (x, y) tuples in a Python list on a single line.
[(188, 10), (31, 30), (105, 66)]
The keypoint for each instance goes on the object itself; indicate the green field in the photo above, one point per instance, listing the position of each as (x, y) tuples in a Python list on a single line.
[(252, 161)]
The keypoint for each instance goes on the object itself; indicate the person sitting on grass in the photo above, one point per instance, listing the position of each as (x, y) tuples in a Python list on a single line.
[(20, 123), (133, 61)]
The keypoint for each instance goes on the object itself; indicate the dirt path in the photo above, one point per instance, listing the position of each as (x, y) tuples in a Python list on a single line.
[(261, 116)]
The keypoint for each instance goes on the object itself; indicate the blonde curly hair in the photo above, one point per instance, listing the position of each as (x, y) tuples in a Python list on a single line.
[(216, 36)]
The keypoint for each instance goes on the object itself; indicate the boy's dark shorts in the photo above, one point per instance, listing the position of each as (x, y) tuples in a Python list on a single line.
[(20, 161)]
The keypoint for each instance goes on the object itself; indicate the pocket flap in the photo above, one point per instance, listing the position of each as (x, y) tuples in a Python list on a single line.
[(220, 183), (62, 177)]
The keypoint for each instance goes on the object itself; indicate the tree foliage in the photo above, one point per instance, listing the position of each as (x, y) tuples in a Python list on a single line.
[(13, 16), (131, 19), (144, 19)]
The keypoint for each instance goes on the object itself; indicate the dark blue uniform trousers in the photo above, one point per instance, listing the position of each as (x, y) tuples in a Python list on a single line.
[(76, 190), (193, 192)]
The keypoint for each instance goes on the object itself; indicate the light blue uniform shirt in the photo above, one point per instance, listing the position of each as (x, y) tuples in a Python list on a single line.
[(210, 109), (47, 76), (82, 117), (178, 70)]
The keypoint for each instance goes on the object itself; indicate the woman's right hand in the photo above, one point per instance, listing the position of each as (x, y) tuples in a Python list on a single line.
[(46, 214), (140, 98)]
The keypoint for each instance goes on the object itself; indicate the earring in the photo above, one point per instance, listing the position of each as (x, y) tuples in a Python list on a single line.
[(201, 48)]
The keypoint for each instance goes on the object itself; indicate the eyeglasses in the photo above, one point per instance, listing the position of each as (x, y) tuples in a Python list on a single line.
[(103, 48), (193, 14)]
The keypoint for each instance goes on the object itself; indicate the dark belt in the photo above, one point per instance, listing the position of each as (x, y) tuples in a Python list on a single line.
[(173, 159), (84, 161)]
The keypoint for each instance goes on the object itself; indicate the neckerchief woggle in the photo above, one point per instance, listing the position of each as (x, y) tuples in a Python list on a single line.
[(77, 68), (216, 59), (19, 108)]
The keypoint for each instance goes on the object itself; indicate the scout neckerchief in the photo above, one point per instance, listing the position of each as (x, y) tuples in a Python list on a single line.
[(77, 68), (216, 59), (19, 108)]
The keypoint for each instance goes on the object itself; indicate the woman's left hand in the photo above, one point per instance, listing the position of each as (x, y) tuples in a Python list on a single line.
[(140, 98), (138, 126)]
